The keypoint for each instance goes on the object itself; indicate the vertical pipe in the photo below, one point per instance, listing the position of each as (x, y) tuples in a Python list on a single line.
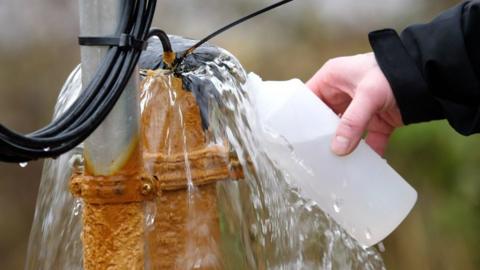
[(112, 233), (109, 148)]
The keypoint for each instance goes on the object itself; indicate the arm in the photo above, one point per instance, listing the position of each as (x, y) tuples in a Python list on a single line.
[(434, 68), (431, 72)]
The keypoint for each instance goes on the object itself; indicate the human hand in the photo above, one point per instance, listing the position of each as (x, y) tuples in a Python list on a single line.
[(355, 88)]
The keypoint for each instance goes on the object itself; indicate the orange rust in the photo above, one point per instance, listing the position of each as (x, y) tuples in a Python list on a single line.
[(113, 189), (169, 58), (176, 154), (184, 232), (171, 119), (207, 166), (176, 151), (113, 234)]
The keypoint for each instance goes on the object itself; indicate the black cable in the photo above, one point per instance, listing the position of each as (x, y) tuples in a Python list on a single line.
[(85, 97), (95, 101), (163, 37), (228, 26)]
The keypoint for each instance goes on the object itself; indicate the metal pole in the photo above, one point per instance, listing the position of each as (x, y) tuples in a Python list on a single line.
[(109, 148), (113, 232)]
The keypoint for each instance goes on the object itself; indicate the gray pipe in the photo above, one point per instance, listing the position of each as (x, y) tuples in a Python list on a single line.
[(112, 144)]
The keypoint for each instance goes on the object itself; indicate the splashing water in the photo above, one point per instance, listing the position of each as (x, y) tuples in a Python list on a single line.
[(55, 235), (264, 222), (283, 231)]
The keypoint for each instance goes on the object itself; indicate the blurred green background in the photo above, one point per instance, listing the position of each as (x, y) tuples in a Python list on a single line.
[(38, 50)]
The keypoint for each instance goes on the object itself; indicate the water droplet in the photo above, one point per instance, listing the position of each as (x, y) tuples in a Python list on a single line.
[(23, 164), (254, 229), (337, 205), (197, 264), (77, 207), (309, 205), (150, 220), (368, 234), (264, 228), (46, 149), (381, 247), (150, 213), (298, 204)]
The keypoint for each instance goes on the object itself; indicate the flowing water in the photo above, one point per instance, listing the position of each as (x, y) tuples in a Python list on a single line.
[(55, 236), (264, 221)]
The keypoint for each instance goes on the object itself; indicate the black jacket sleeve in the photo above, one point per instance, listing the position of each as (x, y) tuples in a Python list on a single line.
[(434, 68)]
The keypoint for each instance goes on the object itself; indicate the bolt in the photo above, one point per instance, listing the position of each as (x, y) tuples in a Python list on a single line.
[(146, 189)]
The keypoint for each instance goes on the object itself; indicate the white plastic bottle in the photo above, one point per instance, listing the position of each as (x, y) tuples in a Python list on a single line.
[(361, 192)]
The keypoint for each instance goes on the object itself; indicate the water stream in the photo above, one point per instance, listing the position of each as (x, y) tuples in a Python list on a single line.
[(264, 221)]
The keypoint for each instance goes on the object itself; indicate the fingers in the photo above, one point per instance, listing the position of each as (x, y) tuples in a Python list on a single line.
[(331, 78), (354, 122), (379, 132), (330, 87), (315, 83), (356, 87), (378, 141), (341, 72)]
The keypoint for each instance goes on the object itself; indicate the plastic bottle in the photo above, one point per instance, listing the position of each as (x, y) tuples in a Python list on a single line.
[(361, 192)]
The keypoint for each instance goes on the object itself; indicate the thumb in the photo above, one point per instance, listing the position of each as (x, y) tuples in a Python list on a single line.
[(353, 123)]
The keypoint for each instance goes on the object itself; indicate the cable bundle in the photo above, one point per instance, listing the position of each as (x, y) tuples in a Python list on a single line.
[(98, 97), (103, 91)]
